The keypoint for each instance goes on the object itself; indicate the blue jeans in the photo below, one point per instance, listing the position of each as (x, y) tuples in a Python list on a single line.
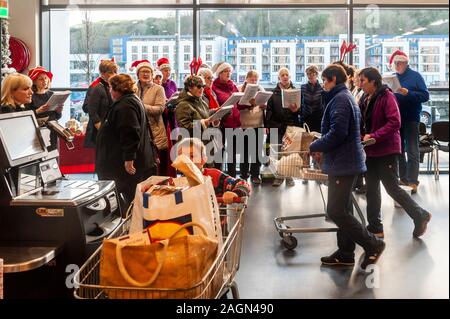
[(409, 170)]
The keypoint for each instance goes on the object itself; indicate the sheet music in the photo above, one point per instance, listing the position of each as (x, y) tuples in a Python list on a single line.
[(262, 97), (291, 96), (58, 98), (392, 81), (224, 110), (249, 93), (233, 99)]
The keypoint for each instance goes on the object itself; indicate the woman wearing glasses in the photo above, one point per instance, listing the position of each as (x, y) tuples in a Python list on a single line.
[(192, 110), (209, 96)]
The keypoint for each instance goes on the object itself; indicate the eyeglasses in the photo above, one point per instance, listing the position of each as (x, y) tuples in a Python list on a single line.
[(201, 86)]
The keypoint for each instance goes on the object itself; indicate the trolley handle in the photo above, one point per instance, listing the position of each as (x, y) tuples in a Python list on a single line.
[(237, 200)]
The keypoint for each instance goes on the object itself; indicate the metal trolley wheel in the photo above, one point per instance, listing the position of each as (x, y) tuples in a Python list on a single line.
[(290, 242)]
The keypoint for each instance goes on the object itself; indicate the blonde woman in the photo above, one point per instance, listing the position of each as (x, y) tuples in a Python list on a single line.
[(279, 118), (252, 118), (16, 93)]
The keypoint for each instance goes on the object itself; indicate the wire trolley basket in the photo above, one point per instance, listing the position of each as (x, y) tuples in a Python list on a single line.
[(218, 280), (296, 164)]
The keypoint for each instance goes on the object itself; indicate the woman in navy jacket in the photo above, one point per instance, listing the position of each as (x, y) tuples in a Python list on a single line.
[(343, 160)]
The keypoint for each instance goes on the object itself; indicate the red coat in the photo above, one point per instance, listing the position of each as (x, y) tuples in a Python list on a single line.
[(223, 92)]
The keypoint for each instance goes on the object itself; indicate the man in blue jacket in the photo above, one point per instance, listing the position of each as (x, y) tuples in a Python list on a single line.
[(343, 161), (410, 97)]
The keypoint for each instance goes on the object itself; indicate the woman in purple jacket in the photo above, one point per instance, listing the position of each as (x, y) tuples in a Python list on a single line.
[(381, 121)]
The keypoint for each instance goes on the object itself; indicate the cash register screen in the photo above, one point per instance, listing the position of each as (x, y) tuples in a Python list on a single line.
[(20, 138)]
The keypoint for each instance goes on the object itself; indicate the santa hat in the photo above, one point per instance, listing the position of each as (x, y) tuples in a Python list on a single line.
[(398, 56), (34, 73), (163, 63), (157, 73), (220, 67), (141, 64)]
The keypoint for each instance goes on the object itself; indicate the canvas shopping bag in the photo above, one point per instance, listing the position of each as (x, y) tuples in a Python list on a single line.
[(163, 214), (176, 263)]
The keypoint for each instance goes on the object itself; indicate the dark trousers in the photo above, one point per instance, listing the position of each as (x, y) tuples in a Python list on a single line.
[(350, 230), (409, 169), (230, 152), (384, 169), (163, 162), (252, 153)]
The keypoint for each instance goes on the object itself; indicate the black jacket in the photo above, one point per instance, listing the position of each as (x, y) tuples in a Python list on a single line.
[(37, 101), (98, 103), (276, 115), (16, 108), (124, 136)]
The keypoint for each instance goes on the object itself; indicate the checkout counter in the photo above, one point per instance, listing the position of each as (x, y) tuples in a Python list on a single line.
[(48, 224)]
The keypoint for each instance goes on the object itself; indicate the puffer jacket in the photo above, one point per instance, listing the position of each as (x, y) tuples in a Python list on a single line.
[(154, 102), (381, 119), (343, 153), (189, 110)]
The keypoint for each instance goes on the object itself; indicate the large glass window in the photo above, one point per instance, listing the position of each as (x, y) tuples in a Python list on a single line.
[(80, 39), (420, 33), (267, 40)]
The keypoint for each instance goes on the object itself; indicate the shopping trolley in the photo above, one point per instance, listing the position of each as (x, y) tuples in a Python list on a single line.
[(218, 280), (291, 167)]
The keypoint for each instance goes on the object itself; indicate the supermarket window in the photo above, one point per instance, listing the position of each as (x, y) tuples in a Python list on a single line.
[(421, 33), (266, 40), (80, 39)]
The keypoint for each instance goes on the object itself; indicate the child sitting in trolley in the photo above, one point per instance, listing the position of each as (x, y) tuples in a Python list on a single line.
[(225, 186)]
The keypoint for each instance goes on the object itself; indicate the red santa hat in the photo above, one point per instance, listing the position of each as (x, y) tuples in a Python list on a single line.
[(139, 64), (34, 73), (398, 56), (163, 63)]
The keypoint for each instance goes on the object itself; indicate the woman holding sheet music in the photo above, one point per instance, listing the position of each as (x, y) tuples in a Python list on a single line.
[(192, 110), (252, 118), (279, 118), (41, 94), (224, 87)]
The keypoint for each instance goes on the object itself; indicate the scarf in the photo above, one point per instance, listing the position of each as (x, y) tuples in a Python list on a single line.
[(213, 104)]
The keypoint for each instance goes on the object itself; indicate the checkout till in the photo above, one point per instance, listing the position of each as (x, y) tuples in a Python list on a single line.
[(49, 225)]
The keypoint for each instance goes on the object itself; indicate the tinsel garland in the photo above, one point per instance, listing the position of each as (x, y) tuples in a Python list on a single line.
[(5, 70)]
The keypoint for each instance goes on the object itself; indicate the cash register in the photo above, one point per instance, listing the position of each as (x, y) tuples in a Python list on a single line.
[(48, 223)]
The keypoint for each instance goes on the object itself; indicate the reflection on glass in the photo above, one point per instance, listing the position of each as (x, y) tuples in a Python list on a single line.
[(267, 40), (421, 34)]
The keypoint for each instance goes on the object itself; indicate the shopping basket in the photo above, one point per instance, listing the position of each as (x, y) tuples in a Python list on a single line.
[(217, 281)]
